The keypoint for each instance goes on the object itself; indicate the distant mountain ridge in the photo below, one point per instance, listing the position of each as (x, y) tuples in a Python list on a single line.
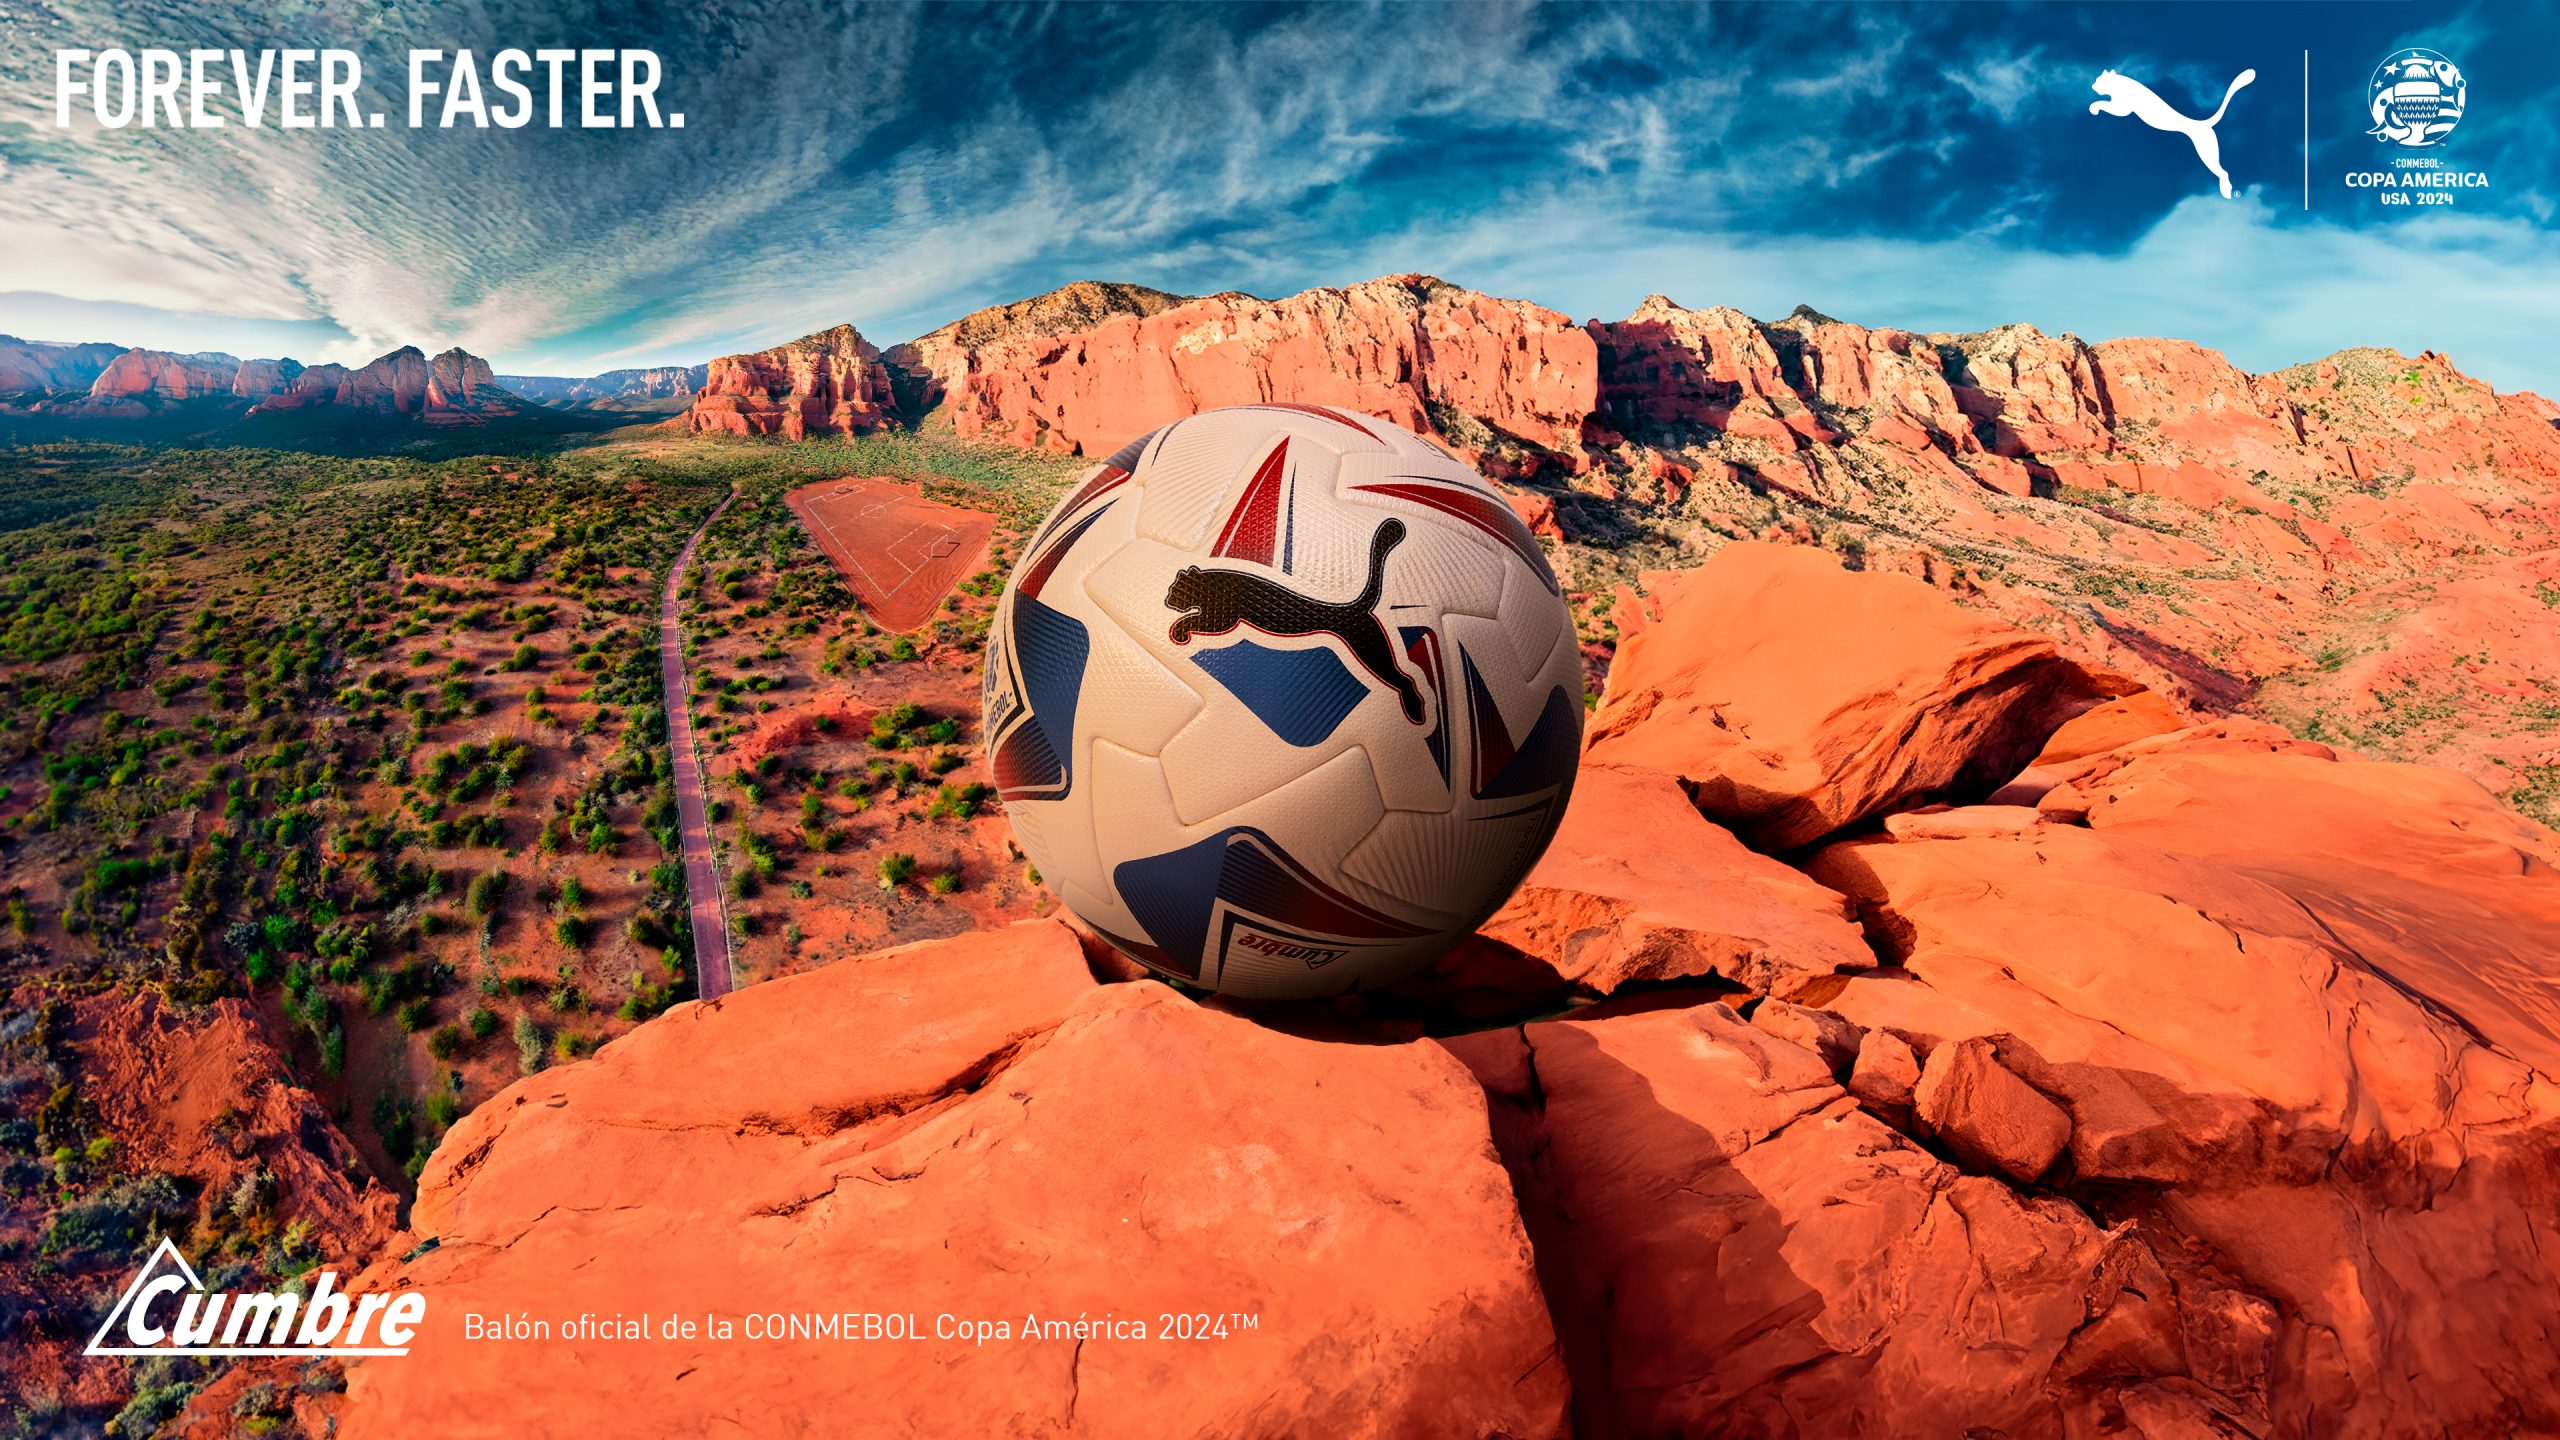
[(611, 389), (92, 381), (95, 380), (34, 367)]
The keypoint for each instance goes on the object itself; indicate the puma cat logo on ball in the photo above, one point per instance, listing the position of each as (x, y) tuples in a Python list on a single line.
[(2128, 96), (1214, 602)]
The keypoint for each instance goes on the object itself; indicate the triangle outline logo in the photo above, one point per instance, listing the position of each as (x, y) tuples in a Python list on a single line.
[(169, 1248)]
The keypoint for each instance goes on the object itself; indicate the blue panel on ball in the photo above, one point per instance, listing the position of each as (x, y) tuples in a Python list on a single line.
[(1049, 650), (1546, 758), (1175, 895), (1172, 894), (1301, 694)]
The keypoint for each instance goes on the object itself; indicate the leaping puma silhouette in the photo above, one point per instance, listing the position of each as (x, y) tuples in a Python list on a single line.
[(1213, 602), (2128, 96)]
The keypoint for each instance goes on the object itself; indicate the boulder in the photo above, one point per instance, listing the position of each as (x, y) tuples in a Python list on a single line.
[(1986, 1114), (973, 1129), (1637, 887)]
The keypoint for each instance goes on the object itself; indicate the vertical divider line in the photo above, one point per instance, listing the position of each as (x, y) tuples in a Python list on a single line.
[(2306, 132)]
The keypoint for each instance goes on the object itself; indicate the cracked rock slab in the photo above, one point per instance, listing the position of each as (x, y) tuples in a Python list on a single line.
[(1731, 1246), (1986, 1114), (2303, 1013)]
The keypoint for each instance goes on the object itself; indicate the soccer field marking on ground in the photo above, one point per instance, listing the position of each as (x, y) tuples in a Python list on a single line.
[(851, 555), (884, 570)]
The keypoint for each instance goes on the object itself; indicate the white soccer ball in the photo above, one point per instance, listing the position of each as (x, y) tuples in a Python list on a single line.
[(1283, 700)]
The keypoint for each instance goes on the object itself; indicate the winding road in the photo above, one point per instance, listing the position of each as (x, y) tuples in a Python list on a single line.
[(701, 875)]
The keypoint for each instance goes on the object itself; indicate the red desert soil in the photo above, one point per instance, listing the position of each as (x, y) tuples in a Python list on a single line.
[(195, 1093), (2200, 1084), (900, 552)]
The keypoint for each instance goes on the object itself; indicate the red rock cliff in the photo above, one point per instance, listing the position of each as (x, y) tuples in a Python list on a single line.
[(139, 380), (1507, 380), (830, 383), (454, 385)]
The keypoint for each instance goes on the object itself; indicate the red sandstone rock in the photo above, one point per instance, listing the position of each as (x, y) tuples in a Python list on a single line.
[(452, 387), (1894, 377), (139, 380), (1988, 1115), (34, 369), (1538, 513), (1794, 698), (2245, 1058), (2037, 394), (1636, 887), (2299, 1012), (1406, 348), (830, 383), (1668, 365), (198, 1092), (2187, 393), (972, 1127), (1730, 1245), (2113, 723), (257, 379), (1885, 1074)]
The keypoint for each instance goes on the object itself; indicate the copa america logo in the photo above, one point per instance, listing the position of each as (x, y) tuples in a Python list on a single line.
[(2416, 98)]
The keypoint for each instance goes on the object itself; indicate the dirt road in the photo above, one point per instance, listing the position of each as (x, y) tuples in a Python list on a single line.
[(701, 876)]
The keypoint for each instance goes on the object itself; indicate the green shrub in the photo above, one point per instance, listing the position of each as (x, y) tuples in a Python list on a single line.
[(487, 890)]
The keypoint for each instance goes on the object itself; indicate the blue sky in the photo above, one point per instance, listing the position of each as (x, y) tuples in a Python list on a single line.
[(1932, 167)]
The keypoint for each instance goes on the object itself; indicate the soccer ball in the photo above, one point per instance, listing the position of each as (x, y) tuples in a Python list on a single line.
[(1282, 701)]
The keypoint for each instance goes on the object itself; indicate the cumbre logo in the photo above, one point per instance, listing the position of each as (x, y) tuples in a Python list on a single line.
[(167, 1311)]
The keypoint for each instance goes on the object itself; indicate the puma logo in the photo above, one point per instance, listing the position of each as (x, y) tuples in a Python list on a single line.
[(2128, 96), (1213, 602)]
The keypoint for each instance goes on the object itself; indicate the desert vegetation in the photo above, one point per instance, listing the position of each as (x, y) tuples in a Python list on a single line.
[(849, 802), (374, 743)]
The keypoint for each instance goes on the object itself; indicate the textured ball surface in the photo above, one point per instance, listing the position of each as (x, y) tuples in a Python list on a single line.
[(1283, 701)]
